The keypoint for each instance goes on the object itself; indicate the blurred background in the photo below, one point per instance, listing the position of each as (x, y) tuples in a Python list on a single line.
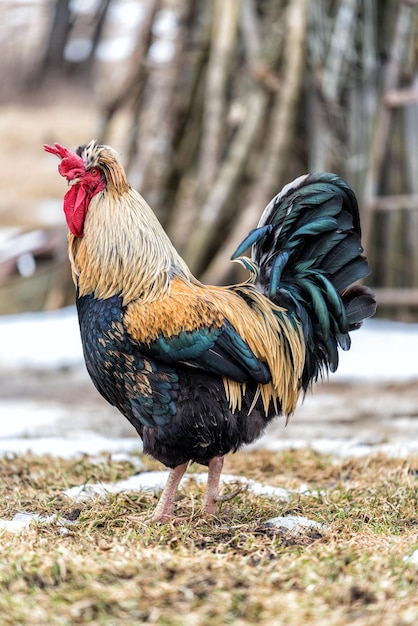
[(213, 106)]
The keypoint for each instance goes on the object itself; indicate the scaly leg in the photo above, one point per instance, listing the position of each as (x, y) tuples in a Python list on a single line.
[(212, 490), (164, 509)]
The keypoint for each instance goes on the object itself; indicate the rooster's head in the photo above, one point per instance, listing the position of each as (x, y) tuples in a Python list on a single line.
[(89, 170)]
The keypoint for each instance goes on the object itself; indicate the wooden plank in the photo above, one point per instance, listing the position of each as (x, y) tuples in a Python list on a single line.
[(383, 115), (392, 296), (392, 202), (401, 97)]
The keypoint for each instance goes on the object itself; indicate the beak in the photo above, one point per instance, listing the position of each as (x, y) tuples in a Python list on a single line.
[(74, 181)]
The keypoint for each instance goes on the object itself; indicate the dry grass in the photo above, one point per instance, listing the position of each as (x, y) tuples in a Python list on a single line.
[(110, 568)]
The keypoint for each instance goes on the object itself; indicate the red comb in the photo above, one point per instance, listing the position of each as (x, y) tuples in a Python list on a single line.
[(71, 164), (58, 150)]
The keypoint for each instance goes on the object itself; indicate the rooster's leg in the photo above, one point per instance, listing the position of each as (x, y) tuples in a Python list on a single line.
[(164, 509), (212, 491)]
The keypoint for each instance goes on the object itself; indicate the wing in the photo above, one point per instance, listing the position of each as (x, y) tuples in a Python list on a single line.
[(186, 327)]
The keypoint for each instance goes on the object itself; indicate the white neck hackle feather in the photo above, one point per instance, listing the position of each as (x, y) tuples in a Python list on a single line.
[(124, 250)]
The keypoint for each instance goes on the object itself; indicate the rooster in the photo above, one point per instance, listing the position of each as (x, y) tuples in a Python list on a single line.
[(200, 370)]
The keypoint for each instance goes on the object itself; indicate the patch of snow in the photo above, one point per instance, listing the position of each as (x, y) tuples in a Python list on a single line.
[(343, 448), (155, 481), (381, 351), (22, 521), (69, 447), (412, 559), (28, 418), (297, 524), (42, 340), (261, 489), (145, 481)]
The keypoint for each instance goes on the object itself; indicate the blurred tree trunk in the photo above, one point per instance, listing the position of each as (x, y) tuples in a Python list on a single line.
[(54, 63), (271, 167), (99, 21), (61, 24)]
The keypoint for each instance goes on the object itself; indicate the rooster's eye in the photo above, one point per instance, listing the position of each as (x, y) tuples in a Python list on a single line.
[(94, 171)]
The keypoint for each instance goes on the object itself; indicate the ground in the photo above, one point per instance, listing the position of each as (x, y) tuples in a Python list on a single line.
[(95, 560)]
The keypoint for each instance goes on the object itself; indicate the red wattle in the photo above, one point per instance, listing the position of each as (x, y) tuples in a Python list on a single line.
[(75, 209)]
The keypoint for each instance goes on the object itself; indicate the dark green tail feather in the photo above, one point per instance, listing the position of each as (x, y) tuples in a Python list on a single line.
[(308, 252)]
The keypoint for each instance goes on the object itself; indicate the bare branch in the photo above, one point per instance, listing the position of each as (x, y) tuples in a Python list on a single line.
[(280, 136), (224, 32)]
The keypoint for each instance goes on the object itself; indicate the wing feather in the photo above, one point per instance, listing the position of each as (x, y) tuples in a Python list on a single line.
[(187, 328)]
